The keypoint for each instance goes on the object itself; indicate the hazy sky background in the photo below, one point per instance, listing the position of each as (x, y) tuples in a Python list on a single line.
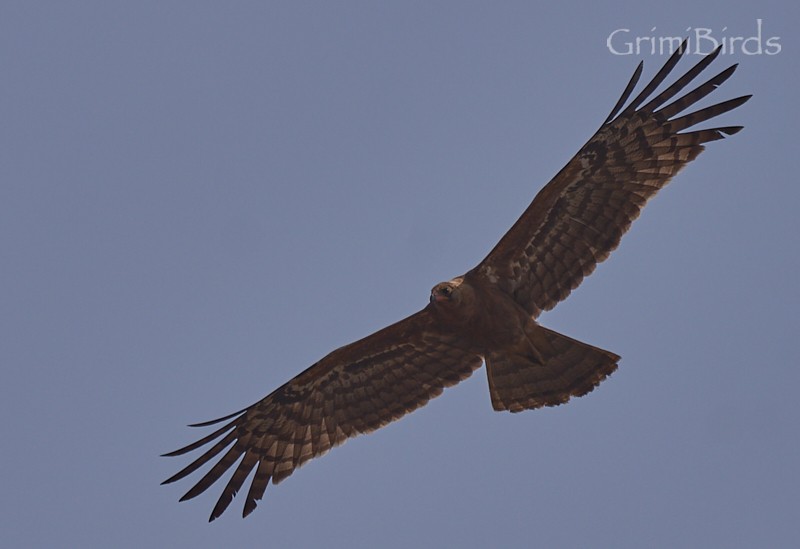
[(200, 199)]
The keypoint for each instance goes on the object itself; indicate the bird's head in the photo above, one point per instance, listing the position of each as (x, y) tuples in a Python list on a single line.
[(444, 292), (450, 294)]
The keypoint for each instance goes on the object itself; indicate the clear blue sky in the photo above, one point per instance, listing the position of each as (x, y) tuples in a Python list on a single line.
[(200, 199)]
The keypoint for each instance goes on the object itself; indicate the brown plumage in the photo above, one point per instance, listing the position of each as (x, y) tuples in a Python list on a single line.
[(489, 313)]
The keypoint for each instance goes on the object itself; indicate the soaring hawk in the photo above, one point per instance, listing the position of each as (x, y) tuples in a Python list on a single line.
[(486, 315)]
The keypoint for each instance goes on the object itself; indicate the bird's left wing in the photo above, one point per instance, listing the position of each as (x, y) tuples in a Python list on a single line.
[(355, 389), (578, 218)]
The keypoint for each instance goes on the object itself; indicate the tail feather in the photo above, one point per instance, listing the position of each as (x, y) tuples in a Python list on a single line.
[(558, 369)]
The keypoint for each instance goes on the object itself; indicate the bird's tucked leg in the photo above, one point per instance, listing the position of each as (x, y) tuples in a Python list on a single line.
[(545, 369)]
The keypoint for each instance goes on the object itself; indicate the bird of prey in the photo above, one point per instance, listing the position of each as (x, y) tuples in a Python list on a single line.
[(487, 315)]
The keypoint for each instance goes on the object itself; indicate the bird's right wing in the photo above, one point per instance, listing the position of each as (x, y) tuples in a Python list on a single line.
[(355, 389)]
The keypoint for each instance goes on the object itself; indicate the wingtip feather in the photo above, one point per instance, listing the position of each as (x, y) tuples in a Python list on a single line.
[(218, 420), (731, 130), (626, 93)]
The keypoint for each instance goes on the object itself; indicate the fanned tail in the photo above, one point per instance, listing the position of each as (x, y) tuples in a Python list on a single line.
[(560, 368)]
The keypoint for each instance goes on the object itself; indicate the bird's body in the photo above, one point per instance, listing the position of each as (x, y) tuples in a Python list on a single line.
[(527, 365), (489, 314), (479, 312)]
